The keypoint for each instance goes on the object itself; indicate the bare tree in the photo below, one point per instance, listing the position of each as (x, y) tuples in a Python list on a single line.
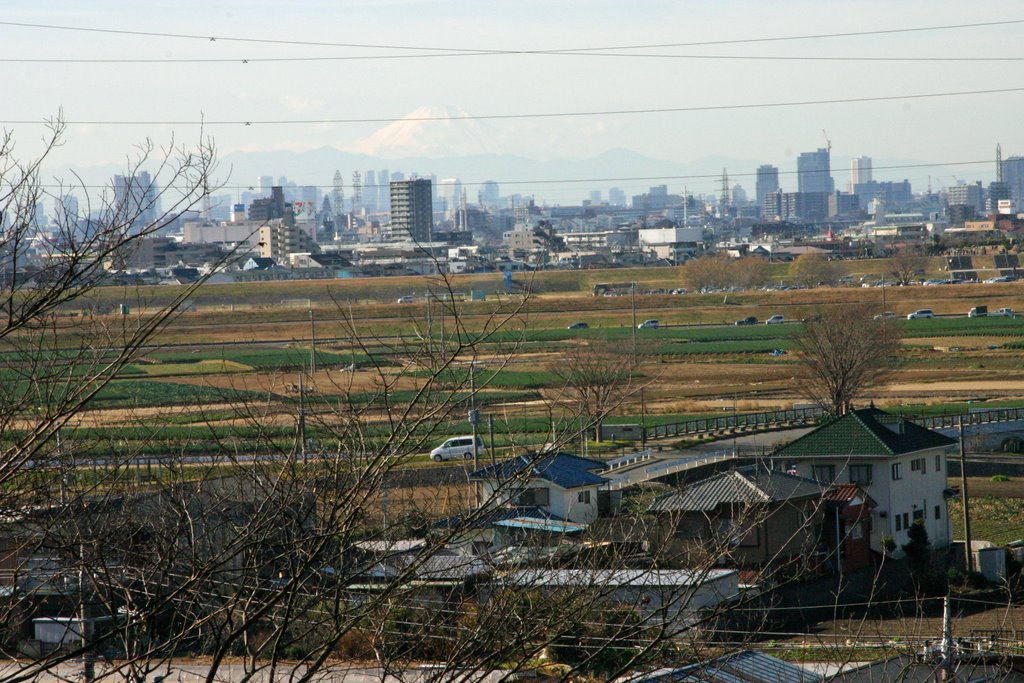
[(812, 270), (595, 378), (907, 264), (843, 352)]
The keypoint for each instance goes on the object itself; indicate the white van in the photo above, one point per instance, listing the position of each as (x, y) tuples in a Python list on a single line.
[(457, 447)]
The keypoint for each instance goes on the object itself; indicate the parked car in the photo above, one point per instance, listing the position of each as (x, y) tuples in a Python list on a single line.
[(887, 315), (978, 312), (407, 299), (457, 447), (920, 314), (775, 320), (1001, 278), (648, 325), (749, 320), (1002, 313), (578, 326)]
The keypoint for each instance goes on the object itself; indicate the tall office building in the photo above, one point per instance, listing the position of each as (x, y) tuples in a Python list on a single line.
[(814, 172), (860, 172), (449, 190), (616, 197), (767, 182), (383, 190), (489, 195), (136, 199), (264, 183), (1013, 176), (412, 216), (370, 191)]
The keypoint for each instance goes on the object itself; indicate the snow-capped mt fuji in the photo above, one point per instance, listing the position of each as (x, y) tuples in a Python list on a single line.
[(430, 131)]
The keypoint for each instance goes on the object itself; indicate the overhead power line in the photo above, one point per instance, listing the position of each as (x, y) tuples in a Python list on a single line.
[(425, 48), (436, 55), (539, 115)]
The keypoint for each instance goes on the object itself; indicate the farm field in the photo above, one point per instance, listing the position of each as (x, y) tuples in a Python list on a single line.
[(254, 349)]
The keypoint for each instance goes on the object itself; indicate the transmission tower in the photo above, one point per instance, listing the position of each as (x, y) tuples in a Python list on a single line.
[(723, 202)]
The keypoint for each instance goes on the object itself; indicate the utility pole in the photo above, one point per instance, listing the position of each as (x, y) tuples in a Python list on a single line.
[(968, 554), (88, 658), (312, 348), (632, 302), (947, 639), (643, 420)]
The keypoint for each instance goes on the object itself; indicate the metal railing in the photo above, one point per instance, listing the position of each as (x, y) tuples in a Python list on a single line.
[(974, 418), (627, 461), (705, 425)]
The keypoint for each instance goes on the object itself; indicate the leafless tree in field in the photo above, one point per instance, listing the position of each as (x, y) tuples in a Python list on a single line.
[(594, 379), (811, 270), (907, 264), (843, 352)]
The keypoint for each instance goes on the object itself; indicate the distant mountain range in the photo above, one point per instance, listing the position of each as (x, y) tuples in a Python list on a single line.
[(443, 141)]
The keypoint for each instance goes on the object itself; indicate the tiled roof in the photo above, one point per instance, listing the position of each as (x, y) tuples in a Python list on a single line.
[(844, 493), (751, 485), (864, 432), (562, 469)]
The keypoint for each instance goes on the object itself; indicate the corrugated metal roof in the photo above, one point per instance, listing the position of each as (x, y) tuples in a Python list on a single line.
[(534, 524), (747, 666), (867, 431), (562, 469), (610, 578), (750, 485)]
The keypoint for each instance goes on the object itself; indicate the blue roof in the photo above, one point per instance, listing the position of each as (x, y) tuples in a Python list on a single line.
[(562, 469)]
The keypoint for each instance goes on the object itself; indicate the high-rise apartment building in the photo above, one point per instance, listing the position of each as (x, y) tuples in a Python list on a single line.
[(370, 191), (860, 172), (814, 172), (971, 195), (412, 210), (767, 182)]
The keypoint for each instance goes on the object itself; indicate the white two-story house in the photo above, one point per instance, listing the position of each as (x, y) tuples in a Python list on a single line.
[(901, 465)]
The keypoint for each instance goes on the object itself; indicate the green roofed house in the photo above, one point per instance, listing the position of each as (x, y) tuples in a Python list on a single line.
[(898, 463)]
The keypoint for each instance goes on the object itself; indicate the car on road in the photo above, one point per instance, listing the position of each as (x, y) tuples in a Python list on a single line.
[(1002, 313), (578, 326), (457, 447), (921, 314), (887, 315), (407, 299), (978, 312), (1001, 278), (648, 325), (775, 320), (749, 320)]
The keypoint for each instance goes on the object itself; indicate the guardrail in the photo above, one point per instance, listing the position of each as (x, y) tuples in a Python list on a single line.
[(975, 418), (628, 461), (769, 418)]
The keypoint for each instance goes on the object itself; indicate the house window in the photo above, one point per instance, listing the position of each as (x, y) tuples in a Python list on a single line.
[(583, 497), (918, 515), (860, 474), (938, 512), (938, 463), (540, 497), (906, 520), (899, 523), (897, 471), (917, 465), (825, 474)]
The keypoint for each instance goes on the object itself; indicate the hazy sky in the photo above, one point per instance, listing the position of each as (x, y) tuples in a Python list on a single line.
[(949, 129)]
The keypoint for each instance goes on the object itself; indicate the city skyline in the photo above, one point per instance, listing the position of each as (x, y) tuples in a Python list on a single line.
[(926, 130)]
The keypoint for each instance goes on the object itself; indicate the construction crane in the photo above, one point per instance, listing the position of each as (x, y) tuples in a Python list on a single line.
[(829, 142)]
